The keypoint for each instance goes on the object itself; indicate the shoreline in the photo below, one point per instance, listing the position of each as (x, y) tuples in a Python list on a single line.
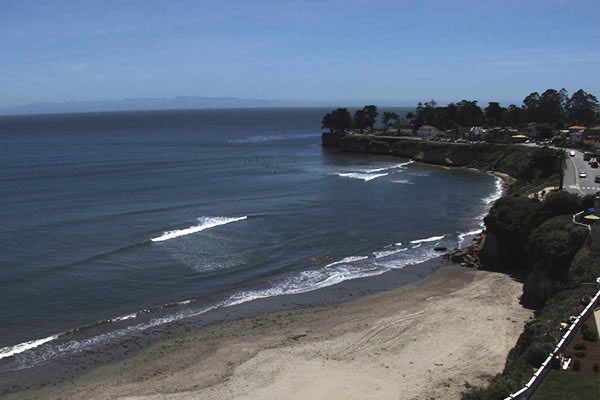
[(425, 338), (327, 297)]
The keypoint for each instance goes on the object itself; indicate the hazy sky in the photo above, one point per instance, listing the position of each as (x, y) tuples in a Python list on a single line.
[(383, 52)]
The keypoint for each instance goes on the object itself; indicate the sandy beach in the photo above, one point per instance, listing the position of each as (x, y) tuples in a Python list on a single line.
[(421, 341)]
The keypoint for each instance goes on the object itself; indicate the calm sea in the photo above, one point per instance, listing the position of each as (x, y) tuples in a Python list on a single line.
[(118, 223)]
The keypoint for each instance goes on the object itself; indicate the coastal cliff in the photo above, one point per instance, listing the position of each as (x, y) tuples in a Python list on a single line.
[(528, 165)]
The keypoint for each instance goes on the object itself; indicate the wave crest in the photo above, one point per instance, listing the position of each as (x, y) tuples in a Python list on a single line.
[(206, 223)]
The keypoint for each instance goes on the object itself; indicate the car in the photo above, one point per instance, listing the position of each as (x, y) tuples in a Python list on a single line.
[(597, 179), (572, 153), (582, 175)]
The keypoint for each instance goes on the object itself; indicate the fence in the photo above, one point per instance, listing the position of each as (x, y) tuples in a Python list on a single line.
[(539, 375), (577, 217)]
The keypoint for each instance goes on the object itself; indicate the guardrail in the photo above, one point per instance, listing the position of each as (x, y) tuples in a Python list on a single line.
[(541, 372), (576, 222)]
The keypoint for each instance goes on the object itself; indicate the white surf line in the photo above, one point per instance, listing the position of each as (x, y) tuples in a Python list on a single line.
[(429, 239), (21, 347), (347, 260), (362, 176), (209, 223)]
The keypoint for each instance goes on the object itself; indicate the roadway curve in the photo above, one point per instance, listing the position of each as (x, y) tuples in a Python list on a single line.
[(572, 182)]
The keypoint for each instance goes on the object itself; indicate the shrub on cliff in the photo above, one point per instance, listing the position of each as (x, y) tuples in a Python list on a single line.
[(509, 221), (552, 246)]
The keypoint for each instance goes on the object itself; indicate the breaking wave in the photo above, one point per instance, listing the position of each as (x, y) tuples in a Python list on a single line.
[(205, 223), (360, 175)]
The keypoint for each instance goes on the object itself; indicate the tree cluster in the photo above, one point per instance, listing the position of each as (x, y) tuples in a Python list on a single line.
[(552, 107), (339, 120)]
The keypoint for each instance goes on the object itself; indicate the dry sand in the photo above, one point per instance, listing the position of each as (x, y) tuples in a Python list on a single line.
[(421, 341)]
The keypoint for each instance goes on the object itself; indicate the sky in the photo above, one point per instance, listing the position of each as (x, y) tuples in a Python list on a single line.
[(333, 52)]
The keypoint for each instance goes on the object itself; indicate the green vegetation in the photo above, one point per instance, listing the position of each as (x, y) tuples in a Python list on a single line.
[(337, 121), (549, 111), (533, 234), (565, 386), (553, 108)]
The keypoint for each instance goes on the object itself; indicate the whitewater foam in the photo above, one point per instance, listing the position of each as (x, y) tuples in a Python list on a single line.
[(497, 192), (206, 223), (347, 260), (21, 347), (381, 254), (429, 239), (462, 236), (363, 176)]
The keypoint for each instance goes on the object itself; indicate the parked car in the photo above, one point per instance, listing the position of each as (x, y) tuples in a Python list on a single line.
[(597, 179)]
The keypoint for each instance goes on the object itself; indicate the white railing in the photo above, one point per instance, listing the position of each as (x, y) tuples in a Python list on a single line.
[(541, 372), (576, 216)]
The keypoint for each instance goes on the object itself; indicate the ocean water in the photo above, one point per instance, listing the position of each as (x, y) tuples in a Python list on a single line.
[(118, 223)]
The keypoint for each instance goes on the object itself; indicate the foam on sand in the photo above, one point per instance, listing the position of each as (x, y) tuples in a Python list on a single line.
[(205, 223)]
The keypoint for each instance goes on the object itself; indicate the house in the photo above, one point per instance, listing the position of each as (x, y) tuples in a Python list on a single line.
[(576, 128), (428, 132), (576, 137), (591, 137)]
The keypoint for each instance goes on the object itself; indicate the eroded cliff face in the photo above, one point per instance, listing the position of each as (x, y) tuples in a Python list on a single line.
[(516, 161), (331, 139)]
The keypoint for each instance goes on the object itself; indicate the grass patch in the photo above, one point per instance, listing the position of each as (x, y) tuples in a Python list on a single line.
[(560, 385)]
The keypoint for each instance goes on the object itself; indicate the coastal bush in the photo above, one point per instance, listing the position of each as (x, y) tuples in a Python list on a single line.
[(557, 203), (595, 368), (553, 244), (576, 365), (538, 352)]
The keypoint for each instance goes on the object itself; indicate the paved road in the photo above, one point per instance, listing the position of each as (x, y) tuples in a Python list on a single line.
[(572, 182)]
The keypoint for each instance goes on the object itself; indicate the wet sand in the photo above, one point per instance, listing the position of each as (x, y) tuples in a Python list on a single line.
[(423, 340)]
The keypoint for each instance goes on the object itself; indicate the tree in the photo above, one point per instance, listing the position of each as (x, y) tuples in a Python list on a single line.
[(531, 106), (494, 114), (389, 118), (582, 107), (468, 113), (514, 115), (550, 109), (371, 112), (365, 117), (337, 121)]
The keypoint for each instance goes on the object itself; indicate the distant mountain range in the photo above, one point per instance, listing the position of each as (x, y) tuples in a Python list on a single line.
[(128, 104)]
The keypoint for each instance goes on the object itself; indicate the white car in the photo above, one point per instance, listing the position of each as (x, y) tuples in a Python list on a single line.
[(582, 175), (572, 153)]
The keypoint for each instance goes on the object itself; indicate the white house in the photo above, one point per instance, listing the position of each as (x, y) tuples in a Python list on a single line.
[(428, 131)]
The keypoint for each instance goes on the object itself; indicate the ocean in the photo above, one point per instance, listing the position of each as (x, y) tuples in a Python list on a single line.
[(115, 225)]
